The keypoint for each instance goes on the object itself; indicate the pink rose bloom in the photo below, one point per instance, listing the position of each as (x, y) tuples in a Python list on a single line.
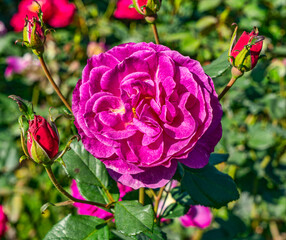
[(124, 11), (3, 222), (141, 108), (197, 216), (20, 64), (86, 209), (57, 13)]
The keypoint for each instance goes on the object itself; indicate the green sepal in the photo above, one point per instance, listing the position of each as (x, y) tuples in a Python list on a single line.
[(22, 136), (243, 60), (152, 7), (24, 157), (60, 154), (25, 107), (137, 7), (36, 43), (38, 154), (232, 40)]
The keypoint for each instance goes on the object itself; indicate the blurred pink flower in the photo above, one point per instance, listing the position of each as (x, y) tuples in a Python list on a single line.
[(95, 48), (124, 11), (86, 209), (197, 216), (3, 222), (19, 64), (57, 13), (3, 29)]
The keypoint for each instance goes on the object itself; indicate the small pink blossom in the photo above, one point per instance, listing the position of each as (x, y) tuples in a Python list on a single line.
[(125, 12), (197, 216), (3, 29), (57, 13), (20, 64), (95, 48), (3, 222), (86, 209)]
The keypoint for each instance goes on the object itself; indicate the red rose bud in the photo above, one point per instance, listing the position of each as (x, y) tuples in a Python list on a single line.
[(34, 36), (245, 53), (43, 140)]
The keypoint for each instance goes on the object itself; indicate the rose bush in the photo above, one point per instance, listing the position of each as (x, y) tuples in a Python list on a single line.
[(142, 108)]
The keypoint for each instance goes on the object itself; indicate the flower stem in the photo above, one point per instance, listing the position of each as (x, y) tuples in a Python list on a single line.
[(157, 199), (49, 76), (64, 192), (155, 32), (235, 74), (141, 195), (227, 87), (165, 199)]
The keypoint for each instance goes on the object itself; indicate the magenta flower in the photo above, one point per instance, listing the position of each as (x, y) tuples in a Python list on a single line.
[(125, 12), (142, 108), (20, 64), (57, 13), (197, 216), (86, 209), (3, 222)]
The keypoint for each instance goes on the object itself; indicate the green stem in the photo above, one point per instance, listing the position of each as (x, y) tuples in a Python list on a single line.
[(64, 192), (227, 87), (235, 74), (141, 195), (155, 32), (49, 76), (165, 199), (157, 199)]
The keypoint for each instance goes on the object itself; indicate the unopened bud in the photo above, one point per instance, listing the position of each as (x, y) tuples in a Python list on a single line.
[(43, 140), (244, 54), (34, 36)]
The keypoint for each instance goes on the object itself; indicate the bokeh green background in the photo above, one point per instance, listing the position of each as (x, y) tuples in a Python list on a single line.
[(254, 121)]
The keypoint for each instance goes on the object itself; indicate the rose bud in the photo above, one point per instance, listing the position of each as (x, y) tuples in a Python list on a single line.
[(43, 140), (34, 36), (245, 53)]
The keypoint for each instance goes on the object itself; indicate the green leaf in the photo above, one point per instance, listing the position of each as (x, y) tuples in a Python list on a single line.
[(218, 66), (147, 235), (182, 197), (260, 137), (79, 228), (175, 210), (156, 235), (217, 158), (91, 175), (209, 187), (132, 218)]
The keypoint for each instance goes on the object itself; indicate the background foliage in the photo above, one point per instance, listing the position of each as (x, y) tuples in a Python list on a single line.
[(254, 125)]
